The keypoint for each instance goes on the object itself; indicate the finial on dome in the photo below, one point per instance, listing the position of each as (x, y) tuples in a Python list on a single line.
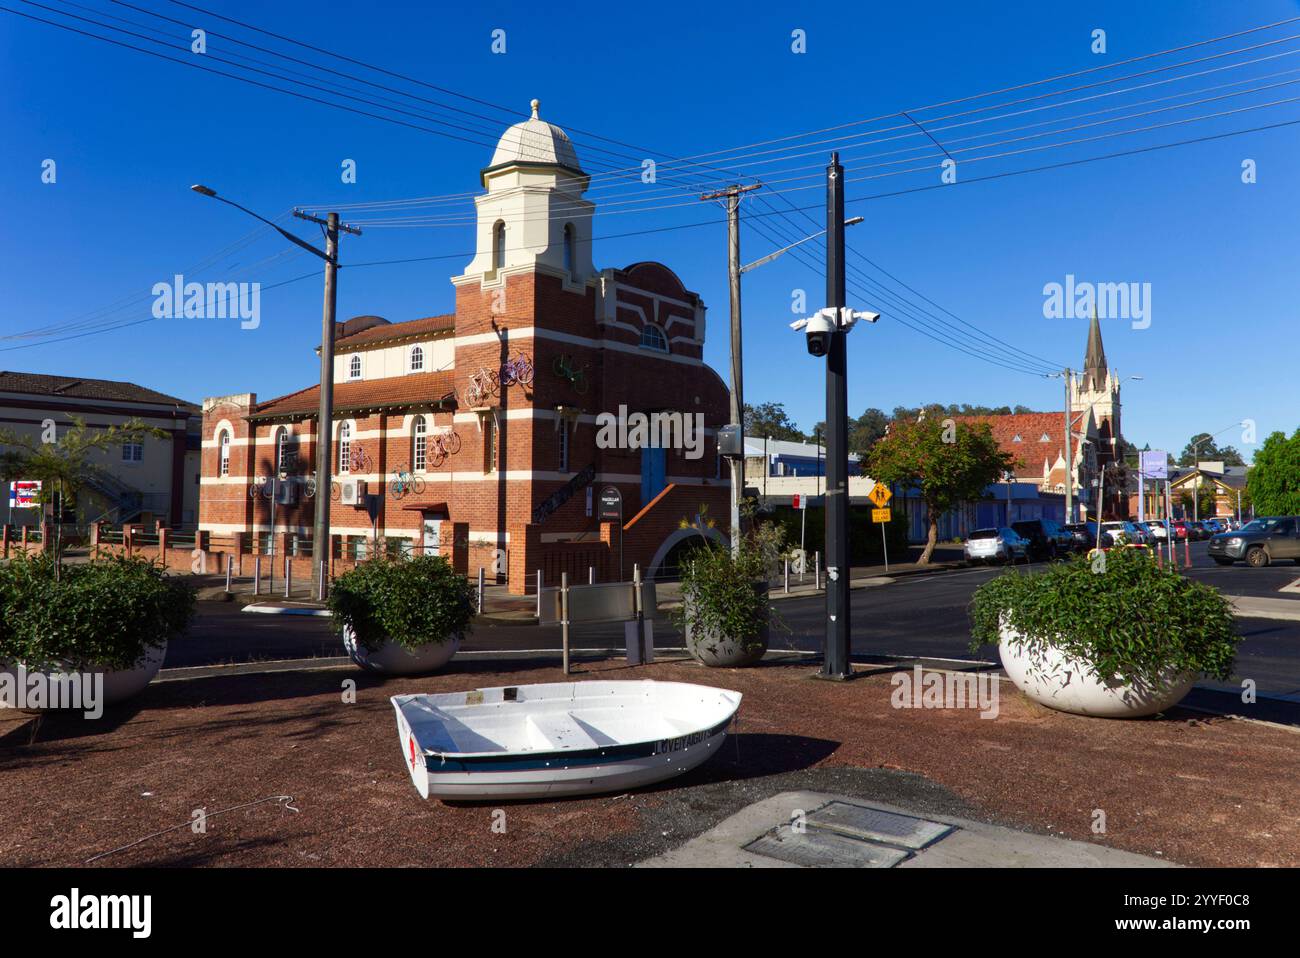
[(535, 104)]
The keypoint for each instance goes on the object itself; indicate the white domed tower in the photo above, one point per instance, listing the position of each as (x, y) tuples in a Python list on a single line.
[(533, 216)]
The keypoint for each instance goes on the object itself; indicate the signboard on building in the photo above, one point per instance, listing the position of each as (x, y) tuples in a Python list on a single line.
[(611, 504), (1154, 464), (23, 494)]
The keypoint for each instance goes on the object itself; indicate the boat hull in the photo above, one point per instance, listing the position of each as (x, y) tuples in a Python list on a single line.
[(559, 772)]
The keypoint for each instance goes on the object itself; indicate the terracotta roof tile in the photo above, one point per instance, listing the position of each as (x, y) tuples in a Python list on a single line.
[(396, 391), (80, 387), (1030, 427), (392, 331)]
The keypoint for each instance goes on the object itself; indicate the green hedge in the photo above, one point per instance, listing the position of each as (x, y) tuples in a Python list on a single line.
[(102, 614), (411, 601)]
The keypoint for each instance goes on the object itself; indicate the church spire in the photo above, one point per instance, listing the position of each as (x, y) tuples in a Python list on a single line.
[(1094, 361)]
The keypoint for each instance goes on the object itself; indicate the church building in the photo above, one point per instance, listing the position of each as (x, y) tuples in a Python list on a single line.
[(475, 433)]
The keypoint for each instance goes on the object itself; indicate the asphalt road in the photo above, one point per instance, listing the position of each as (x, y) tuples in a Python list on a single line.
[(914, 616)]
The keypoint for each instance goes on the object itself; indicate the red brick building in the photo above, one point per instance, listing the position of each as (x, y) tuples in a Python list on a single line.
[(506, 478)]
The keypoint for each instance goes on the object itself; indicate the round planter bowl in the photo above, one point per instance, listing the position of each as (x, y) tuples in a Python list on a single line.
[(119, 684), (393, 659), (1052, 678), (724, 652)]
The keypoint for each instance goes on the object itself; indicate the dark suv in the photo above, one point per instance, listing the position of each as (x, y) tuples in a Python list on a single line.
[(1259, 542), (1046, 538)]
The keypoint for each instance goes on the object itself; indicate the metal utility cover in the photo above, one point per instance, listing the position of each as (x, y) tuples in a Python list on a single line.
[(816, 848), (875, 825)]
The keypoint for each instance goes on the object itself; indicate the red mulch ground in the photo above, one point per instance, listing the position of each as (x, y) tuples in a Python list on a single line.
[(1198, 791)]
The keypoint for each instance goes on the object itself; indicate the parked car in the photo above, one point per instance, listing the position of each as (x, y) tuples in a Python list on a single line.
[(995, 545), (1180, 529), (1086, 533), (1046, 538), (1215, 526), (1149, 531), (1159, 528), (1131, 533), (1259, 542), (1198, 530)]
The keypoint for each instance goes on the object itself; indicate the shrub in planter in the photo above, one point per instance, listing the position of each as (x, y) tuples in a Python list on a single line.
[(1109, 634), (112, 616), (725, 610), (402, 615)]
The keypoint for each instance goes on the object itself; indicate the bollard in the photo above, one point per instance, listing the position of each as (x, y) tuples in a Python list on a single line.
[(257, 575), (817, 571), (288, 577), (229, 567), (320, 586), (787, 575), (480, 590), (591, 575), (564, 617), (270, 575), (1187, 552), (539, 595)]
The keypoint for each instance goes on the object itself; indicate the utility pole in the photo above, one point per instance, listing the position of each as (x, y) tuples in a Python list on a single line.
[(320, 540), (732, 196), (1069, 459), (835, 661)]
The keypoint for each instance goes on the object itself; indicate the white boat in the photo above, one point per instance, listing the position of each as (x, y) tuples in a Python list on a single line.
[(566, 738)]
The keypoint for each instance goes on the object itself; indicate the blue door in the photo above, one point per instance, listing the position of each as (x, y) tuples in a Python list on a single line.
[(653, 465)]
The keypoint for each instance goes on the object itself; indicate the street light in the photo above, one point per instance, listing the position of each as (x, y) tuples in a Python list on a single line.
[(771, 256), (1196, 467), (320, 552)]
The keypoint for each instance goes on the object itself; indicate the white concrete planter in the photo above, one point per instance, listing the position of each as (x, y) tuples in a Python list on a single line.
[(1052, 678), (119, 684), (726, 652), (393, 659)]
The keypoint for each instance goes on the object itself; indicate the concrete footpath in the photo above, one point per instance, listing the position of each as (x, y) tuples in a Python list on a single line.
[(801, 829)]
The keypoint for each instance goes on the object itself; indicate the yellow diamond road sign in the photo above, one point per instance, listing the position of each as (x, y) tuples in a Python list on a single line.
[(880, 515), (880, 494)]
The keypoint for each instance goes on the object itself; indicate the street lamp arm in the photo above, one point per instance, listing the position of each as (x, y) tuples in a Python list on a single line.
[(205, 191), (771, 256)]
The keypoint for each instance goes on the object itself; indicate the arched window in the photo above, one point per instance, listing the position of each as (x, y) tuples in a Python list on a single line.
[(499, 245), (345, 448), (224, 443), (417, 359), (652, 337), (568, 247), (354, 367), (419, 436)]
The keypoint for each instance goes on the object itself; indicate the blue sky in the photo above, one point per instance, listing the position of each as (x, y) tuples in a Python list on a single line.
[(130, 133)]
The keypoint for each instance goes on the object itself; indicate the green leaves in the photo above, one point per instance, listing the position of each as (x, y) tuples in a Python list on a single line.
[(411, 601), (105, 613), (948, 464), (1133, 622), (1274, 481)]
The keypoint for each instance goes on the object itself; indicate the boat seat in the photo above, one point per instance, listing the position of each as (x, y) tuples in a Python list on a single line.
[(561, 730)]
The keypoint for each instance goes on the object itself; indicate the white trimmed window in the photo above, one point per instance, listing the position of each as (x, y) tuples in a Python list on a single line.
[(652, 337), (354, 367), (417, 359), (419, 443), (283, 451), (489, 443), (345, 448), (499, 246), (224, 460), (132, 452)]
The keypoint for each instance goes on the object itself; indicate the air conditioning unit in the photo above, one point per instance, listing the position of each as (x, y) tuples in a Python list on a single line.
[(286, 493), (353, 492)]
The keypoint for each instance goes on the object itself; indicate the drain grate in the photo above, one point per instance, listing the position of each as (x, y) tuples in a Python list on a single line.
[(844, 835), (875, 825), (815, 848)]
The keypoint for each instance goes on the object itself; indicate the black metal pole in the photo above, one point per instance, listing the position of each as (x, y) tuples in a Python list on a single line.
[(835, 662)]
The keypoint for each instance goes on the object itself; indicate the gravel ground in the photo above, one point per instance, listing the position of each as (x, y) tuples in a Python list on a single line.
[(1194, 790)]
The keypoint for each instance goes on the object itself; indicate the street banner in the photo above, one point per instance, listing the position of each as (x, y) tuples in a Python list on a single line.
[(23, 494), (1154, 464)]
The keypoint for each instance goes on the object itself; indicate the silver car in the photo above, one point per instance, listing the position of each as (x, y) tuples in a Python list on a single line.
[(995, 545)]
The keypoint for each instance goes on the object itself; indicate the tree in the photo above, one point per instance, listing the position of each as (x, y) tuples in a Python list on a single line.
[(1274, 480), (947, 464), (1203, 448), (770, 420), (64, 463), (867, 430)]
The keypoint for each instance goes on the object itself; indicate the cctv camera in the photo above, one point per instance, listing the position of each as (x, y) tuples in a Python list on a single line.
[(818, 329)]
